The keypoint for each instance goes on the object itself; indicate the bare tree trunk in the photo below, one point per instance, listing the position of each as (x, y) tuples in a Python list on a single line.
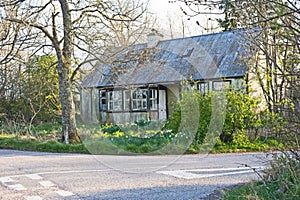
[(69, 132)]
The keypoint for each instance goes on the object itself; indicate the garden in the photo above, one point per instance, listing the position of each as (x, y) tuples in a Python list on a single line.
[(241, 131)]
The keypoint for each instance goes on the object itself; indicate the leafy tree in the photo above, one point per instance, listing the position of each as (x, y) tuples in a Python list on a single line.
[(40, 88), (34, 98)]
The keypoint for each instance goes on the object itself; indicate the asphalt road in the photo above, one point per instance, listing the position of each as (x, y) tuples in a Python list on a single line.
[(36, 176)]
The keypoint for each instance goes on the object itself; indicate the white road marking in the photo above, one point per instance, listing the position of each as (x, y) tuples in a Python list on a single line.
[(6, 179), (64, 193), (75, 171), (33, 198), (56, 172), (34, 176), (17, 187), (47, 183), (206, 173)]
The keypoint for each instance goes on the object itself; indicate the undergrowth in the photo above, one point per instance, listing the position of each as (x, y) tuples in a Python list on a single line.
[(281, 180)]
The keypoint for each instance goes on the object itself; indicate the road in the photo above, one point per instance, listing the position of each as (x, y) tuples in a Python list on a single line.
[(36, 176)]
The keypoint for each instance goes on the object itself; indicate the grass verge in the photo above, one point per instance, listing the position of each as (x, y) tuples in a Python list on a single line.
[(119, 145), (280, 181), (11, 141)]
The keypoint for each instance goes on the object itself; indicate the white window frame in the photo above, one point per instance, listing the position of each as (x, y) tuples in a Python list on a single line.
[(103, 100), (139, 100), (203, 87), (127, 100), (115, 100), (153, 99), (221, 85)]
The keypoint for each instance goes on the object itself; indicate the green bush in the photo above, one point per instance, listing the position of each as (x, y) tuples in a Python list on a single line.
[(203, 112), (111, 129), (142, 123), (240, 115)]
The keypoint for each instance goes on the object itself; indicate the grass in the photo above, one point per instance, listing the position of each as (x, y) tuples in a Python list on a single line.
[(127, 139), (259, 190), (16, 142), (260, 144), (280, 181)]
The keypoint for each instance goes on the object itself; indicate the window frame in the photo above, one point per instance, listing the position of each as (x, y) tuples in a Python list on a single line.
[(139, 102), (225, 83), (103, 98), (112, 102), (206, 87), (153, 99), (128, 100)]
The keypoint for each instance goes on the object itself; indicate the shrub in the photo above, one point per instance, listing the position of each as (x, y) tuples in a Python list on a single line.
[(181, 118), (240, 115), (110, 129), (142, 123)]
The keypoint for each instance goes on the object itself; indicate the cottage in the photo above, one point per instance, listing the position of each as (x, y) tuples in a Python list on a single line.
[(144, 80)]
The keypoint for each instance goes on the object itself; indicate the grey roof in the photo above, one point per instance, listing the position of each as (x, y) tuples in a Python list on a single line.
[(211, 56)]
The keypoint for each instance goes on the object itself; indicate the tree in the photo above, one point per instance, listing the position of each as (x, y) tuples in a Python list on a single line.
[(30, 94), (274, 31), (212, 10), (71, 29), (39, 90)]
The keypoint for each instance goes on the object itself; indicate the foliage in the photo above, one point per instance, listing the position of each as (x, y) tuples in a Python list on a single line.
[(130, 139), (280, 181), (242, 143), (142, 142), (142, 122), (241, 111), (203, 104), (240, 115), (126, 139), (273, 34), (35, 97), (111, 129)]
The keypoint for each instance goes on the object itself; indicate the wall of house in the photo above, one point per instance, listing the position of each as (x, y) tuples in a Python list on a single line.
[(172, 97), (130, 117), (89, 111)]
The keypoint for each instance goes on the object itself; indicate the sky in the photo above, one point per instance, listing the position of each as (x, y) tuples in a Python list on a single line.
[(166, 12)]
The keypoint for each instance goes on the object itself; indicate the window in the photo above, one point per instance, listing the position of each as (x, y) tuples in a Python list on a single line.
[(127, 97), (139, 99), (153, 99), (115, 100), (203, 87), (187, 52), (102, 100), (128, 100), (221, 85)]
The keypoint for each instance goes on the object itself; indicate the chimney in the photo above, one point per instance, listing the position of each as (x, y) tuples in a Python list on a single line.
[(153, 38)]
